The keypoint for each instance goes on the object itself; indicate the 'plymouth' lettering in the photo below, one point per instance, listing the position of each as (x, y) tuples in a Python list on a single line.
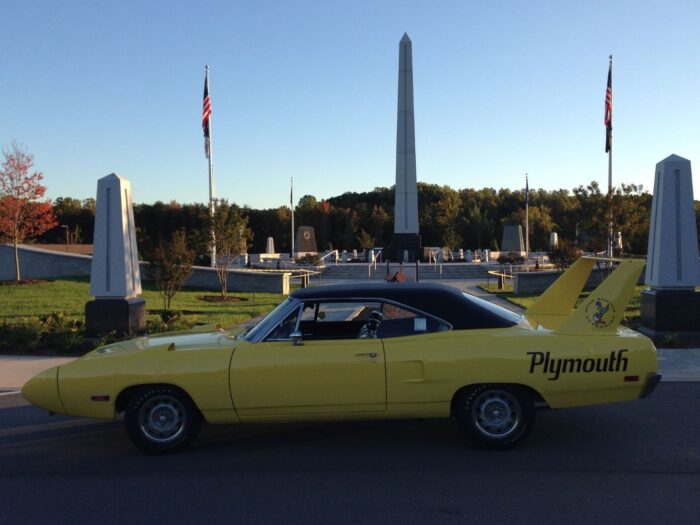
[(543, 361)]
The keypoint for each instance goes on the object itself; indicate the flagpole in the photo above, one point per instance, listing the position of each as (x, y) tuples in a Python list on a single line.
[(291, 205), (527, 219), (212, 191), (610, 224)]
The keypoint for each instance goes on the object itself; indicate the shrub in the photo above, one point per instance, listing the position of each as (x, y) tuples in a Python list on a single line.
[(63, 333), (511, 258), (170, 266), (22, 334), (564, 254)]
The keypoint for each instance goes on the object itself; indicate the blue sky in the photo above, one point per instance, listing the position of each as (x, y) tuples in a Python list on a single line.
[(308, 89)]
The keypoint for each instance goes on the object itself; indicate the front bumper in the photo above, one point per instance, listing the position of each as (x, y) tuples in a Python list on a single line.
[(42, 391), (652, 382)]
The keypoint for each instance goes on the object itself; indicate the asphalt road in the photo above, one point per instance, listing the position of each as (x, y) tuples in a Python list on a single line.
[(633, 462)]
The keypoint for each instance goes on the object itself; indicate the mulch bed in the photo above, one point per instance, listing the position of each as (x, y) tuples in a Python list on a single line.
[(23, 281), (219, 299)]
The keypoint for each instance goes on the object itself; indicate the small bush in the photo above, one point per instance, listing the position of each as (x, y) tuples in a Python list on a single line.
[(62, 333), (21, 335), (308, 259), (671, 340), (56, 332), (564, 254), (511, 258), (170, 264)]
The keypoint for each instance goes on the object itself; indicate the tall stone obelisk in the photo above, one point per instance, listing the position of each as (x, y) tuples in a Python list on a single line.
[(671, 305), (406, 241), (115, 277)]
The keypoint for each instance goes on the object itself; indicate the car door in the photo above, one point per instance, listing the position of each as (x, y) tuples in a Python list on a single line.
[(330, 372), (414, 344)]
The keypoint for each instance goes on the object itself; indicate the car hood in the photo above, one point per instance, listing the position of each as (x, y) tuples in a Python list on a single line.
[(186, 340)]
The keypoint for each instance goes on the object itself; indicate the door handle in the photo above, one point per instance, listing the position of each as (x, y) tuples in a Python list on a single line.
[(369, 354)]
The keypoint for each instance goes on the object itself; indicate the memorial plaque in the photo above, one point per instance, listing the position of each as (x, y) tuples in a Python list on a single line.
[(513, 239), (305, 240)]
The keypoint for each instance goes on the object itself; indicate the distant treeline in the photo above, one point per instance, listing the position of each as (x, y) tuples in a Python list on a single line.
[(467, 218)]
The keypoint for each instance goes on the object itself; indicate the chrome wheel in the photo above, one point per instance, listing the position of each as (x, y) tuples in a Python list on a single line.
[(496, 413), (162, 418)]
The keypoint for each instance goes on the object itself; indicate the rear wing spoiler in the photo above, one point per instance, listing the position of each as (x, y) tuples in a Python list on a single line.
[(601, 312)]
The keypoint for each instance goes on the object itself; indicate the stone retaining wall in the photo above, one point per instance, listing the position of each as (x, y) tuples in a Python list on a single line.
[(36, 263)]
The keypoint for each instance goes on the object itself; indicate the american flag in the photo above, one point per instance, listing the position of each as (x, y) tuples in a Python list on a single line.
[(206, 114), (608, 111)]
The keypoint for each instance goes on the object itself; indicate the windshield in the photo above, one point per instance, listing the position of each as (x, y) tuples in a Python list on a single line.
[(264, 324)]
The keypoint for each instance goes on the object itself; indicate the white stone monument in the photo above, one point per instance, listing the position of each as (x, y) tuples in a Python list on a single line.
[(115, 279), (673, 268), (406, 190), (270, 248), (672, 255), (553, 240)]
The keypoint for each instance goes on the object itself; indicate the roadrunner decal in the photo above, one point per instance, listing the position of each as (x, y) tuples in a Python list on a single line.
[(600, 313)]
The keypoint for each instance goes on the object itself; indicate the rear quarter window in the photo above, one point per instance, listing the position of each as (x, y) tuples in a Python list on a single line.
[(401, 322)]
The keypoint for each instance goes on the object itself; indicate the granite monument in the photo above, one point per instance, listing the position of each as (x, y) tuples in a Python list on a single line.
[(115, 280)]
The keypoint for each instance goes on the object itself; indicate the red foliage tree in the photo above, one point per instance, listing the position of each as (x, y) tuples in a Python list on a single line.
[(22, 214)]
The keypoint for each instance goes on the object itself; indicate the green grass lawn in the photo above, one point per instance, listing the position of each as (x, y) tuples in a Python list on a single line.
[(70, 295), (50, 316)]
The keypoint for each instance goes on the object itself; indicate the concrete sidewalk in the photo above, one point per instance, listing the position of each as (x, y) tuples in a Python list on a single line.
[(16, 370), (675, 365)]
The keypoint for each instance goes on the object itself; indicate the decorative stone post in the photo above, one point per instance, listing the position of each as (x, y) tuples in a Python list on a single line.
[(115, 280), (671, 304)]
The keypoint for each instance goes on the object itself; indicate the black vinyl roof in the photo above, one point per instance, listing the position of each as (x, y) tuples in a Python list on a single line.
[(444, 302)]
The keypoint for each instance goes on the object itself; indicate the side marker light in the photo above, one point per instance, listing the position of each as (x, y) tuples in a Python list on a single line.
[(99, 398)]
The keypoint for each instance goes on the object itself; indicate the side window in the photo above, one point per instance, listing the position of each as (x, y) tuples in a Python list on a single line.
[(285, 328), (399, 322), (336, 319), (347, 312)]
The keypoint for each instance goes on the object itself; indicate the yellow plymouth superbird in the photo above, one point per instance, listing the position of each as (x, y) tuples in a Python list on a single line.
[(371, 351)]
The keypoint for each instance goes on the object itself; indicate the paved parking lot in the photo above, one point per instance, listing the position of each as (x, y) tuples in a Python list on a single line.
[(630, 462)]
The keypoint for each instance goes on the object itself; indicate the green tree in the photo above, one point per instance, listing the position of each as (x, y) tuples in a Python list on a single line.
[(170, 264), (229, 226), (366, 240), (451, 238), (632, 213)]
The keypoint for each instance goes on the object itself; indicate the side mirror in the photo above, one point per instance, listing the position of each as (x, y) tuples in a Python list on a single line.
[(297, 338)]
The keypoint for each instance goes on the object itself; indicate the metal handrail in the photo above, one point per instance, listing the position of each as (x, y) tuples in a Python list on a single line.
[(502, 276), (432, 257), (332, 252), (375, 256)]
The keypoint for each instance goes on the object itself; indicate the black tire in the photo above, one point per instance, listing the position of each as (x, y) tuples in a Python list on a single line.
[(497, 417), (161, 420)]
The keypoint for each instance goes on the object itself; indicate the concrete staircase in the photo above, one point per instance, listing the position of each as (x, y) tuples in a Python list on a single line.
[(448, 271)]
